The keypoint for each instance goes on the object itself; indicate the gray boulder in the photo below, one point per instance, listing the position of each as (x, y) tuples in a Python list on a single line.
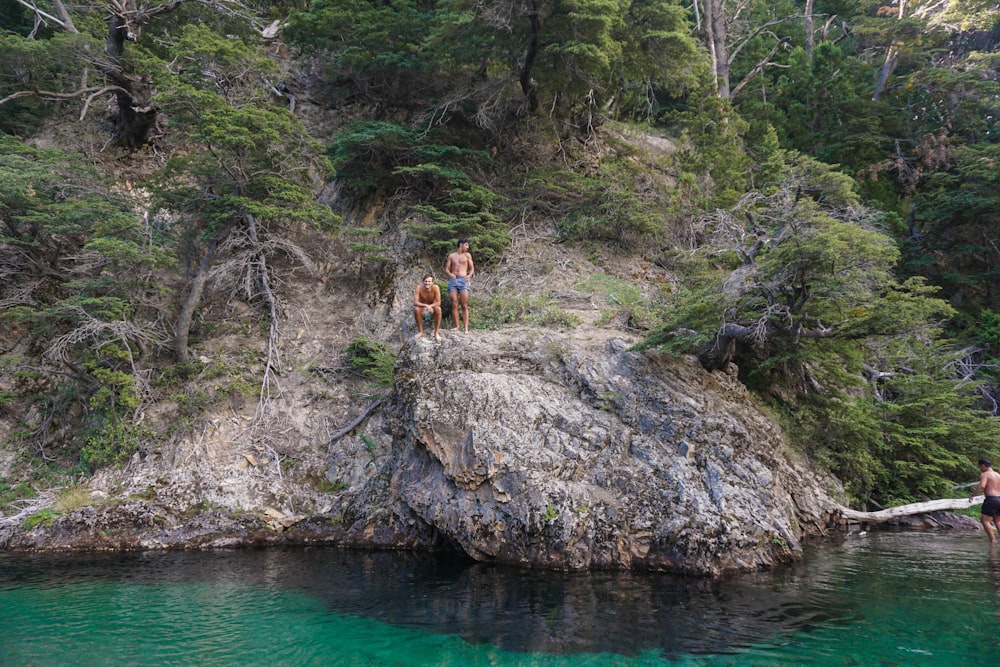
[(548, 450)]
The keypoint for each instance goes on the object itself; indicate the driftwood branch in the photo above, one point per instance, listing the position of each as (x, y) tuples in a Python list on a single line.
[(357, 420), (30, 506), (913, 508)]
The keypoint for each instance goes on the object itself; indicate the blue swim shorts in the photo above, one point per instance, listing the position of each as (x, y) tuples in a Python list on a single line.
[(459, 284)]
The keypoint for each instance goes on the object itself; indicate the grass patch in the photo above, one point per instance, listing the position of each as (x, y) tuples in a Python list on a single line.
[(322, 484), (71, 498), (628, 304), (540, 311)]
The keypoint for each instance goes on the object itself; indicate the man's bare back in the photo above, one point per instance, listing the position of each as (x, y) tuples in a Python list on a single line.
[(989, 485), (989, 480)]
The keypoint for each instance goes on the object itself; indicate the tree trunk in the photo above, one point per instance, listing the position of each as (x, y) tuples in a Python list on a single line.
[(191, 303), (528, 85), (715, 24), (135, 117), (721, 50), (810, 30), (715, 355), (891, 56), (64, 17), (722, 348), (913, 508)]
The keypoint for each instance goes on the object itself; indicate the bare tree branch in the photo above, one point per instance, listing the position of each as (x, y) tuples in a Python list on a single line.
[(759, 67), (90, 328), (90, 92), (65, 23), (340, 433), (763, 28)]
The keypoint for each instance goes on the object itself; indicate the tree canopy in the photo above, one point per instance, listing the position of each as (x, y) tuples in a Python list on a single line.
[(822, 192)]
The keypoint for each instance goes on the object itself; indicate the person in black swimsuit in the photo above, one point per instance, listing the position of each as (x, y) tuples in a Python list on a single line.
[(989, 484)]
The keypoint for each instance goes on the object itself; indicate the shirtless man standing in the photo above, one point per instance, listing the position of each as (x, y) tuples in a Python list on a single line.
[(989, 483), (427, 298), (460, 268)]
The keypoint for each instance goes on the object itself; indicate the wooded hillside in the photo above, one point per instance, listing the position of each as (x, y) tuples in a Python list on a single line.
[(818, 181)]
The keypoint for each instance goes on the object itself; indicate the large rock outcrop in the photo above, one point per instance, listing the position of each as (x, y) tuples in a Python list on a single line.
[(533, 447), (549, 450)]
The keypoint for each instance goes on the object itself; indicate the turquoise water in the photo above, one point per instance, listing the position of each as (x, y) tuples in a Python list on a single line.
[(888, 598)]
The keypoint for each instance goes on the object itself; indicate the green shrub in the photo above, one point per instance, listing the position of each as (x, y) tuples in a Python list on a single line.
[(619, 206), (628, 303), (111, 442), (541, 311), (44, 517), (373, 358)]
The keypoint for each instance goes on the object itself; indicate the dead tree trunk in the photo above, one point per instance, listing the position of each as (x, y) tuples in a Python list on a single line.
[(191, 303), (135, 116), (810, 29), (527, 81), (913, 508), (891, 59)]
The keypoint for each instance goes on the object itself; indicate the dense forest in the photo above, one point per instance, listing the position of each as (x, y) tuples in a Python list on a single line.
[(827, 201)]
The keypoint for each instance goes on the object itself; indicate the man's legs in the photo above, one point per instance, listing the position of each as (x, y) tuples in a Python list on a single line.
[(437, 323), (465, 310), (418, 315), (453, 294), (988, 525)]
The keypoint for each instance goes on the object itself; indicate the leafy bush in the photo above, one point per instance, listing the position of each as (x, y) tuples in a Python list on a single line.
[(462, 209), (989, 331), (374, 156), (371, 155), (111, 441)]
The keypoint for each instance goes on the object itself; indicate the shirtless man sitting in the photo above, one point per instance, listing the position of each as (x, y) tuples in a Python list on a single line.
[(460, 269), (989, 484), (427, 299)]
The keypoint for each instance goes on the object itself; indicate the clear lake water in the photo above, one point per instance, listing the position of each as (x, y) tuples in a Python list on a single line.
[(885, 598)]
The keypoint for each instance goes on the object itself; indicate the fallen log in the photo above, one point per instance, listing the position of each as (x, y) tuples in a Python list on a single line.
[(913, 508), (354, 422)]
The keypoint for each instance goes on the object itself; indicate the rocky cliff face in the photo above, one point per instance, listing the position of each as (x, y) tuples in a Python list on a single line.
[(545, 448), (553, 450)]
